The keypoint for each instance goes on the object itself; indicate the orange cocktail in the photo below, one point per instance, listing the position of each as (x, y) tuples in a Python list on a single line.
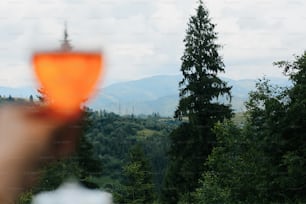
[(67, 78)]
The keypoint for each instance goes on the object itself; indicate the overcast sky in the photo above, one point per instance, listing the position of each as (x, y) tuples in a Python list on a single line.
[(144, 37)]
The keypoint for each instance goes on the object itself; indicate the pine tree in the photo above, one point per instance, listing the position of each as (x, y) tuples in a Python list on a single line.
[(31, 99), (200, 90), (200, 65), (10, 98), (138, 184)]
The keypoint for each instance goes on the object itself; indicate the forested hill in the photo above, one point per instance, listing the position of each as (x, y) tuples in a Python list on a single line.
[(113, 138), (106, 157)]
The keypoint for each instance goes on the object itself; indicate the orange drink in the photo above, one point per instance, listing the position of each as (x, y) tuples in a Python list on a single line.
[(67, 78)]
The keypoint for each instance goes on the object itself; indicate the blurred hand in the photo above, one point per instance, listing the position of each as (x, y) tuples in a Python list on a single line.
[(30, 137)]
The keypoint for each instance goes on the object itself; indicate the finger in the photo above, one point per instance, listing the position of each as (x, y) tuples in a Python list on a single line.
[(66, 139), (43, 134)]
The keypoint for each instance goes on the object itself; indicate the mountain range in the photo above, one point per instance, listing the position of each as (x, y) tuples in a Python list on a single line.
[(156, 94), (160, 94)]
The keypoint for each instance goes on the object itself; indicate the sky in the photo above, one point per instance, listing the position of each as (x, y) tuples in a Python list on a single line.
[(141, 38)]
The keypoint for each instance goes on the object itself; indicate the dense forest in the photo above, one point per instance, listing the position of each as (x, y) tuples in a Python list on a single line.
[(206, 154), (259, 159), (115, 152)]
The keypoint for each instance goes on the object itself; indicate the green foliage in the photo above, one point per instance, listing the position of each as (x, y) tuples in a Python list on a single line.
[(258, 157), (293, 159), (56, 173), (137, 184), (244, 164), (25, 198), (200, 65), (200, 89), (155, 148), (81, 165), (211, 192), (107, 139), (239, 119), (236, 168), (264, 161), (112, 136)]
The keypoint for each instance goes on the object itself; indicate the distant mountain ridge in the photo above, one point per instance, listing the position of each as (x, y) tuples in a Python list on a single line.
[(160, 94), (156, 94)]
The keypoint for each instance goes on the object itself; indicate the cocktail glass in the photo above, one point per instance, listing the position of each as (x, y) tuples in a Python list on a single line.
[(67, 79)]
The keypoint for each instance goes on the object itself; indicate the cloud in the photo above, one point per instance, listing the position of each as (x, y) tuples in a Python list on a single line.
[(254, 34), (141, 38)]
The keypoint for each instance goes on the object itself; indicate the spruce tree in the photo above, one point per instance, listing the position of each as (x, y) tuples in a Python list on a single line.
[(200, 90), (31, 99), (201, 63), (293, 165), (138, 185)]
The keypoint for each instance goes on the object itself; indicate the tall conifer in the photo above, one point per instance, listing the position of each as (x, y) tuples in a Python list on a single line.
[(200, 91)]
